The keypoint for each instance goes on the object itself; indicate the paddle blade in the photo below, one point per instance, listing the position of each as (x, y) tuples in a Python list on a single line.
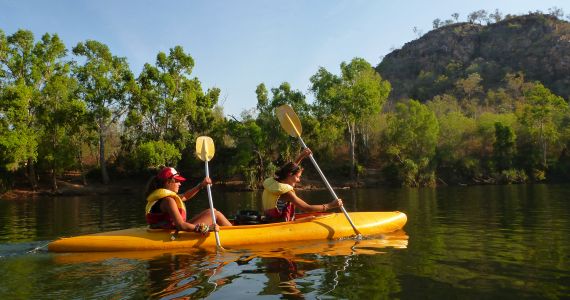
[(289, 120), (205, 148)]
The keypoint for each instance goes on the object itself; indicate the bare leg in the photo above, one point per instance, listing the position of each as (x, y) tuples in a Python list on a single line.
[(205, 217)]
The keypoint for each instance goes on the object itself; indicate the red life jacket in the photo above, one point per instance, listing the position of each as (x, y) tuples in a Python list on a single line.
[(163, 219), (285, 214), (275, 208)]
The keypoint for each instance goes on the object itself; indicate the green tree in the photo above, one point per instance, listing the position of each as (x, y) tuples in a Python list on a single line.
[(268, 145), (504, 148), (457, 144), (170, 105), (541, 116), (262, 98), (411, 139), (350, 98), (249, 151), (154, 154), (19, 103), (106, 85), (470, 88), (59, 109)]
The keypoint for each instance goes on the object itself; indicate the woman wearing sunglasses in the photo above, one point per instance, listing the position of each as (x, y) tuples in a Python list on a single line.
[(165, 208)]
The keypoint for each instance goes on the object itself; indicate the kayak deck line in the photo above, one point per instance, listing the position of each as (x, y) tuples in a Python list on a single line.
[(307, 227)]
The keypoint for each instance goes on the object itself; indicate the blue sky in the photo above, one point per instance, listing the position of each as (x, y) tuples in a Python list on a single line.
[(238, 44)]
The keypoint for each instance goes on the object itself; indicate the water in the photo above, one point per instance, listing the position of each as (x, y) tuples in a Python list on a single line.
[(489, 242)]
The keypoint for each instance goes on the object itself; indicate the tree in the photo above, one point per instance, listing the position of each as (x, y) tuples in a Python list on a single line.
[(411, 139), (556, 12), (541, 115), (358, 93), (497, 16), (250, 150), (106, 85), (59, 109), (477, 16), (170, 105), (436, 23), (262, 98), (455, 16), (504, 148), (418, 32), (469, 88), (272, 145), (18, 106), (154, 154)]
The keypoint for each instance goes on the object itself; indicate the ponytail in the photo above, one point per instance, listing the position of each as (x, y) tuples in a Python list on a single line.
[(153, 183)]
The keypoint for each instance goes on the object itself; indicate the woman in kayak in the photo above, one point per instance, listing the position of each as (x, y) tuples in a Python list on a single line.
[(166, 209), (279, 199)]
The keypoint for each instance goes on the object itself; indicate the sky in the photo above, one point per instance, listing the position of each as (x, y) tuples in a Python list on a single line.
[(236, 45)]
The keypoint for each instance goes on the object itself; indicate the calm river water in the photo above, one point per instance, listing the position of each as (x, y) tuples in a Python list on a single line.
[(488, 242)]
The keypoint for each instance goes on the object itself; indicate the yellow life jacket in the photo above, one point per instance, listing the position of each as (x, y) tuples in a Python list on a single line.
[(161, 193), (272, 190)]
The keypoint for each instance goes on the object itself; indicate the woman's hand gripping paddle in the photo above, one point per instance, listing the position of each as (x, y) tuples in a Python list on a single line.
[(292, 125), (205, 151)]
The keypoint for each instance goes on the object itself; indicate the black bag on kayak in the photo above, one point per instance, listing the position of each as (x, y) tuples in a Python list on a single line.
[(247, 217)]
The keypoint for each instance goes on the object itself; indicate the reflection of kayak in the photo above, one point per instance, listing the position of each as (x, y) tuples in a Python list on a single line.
[(369, 245), (306, 227)]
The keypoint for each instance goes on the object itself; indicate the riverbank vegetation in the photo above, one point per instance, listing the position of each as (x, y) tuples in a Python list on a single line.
[(418, 123)]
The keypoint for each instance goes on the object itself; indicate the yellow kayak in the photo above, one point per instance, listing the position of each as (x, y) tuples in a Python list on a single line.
[(318, 226)]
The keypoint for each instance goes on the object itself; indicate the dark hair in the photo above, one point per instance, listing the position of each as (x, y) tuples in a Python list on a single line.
[(287, 169), (154, 183)]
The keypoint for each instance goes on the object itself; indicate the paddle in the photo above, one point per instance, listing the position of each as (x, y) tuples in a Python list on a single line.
[(205, 151), (292, 125)]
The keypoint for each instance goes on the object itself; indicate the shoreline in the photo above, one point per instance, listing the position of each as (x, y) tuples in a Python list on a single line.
[(136, 187), (68, 189)]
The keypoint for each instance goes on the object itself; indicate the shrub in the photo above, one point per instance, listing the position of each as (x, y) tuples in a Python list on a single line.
[(156, 153), (513, 176)]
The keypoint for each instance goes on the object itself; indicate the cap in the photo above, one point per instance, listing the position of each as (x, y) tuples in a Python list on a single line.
[(168, 173)]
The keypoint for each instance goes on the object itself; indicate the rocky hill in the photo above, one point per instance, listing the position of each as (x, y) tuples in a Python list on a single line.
[(537, 45)]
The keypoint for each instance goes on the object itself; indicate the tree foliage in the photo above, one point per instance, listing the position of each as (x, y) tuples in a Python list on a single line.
[(106, 86), (477, 120), (411, 136), (348, 99)]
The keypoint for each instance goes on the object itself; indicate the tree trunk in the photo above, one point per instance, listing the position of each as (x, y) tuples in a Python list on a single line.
[(81, 167), (543, 141), (544, 148), (352, 136), (32, 174), (102, 162), (260, 168), (54, 187)]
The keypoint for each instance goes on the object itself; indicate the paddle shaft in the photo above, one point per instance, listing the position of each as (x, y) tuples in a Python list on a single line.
[(328, 185), (212, 213)]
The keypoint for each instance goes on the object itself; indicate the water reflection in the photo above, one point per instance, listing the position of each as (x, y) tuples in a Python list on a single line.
[(293, 270)]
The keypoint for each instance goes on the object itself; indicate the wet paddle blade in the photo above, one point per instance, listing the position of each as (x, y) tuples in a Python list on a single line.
[(289, 120), (205, 148)]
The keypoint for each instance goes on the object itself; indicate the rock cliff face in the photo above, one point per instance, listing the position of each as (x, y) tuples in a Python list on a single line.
[(537, 45)]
